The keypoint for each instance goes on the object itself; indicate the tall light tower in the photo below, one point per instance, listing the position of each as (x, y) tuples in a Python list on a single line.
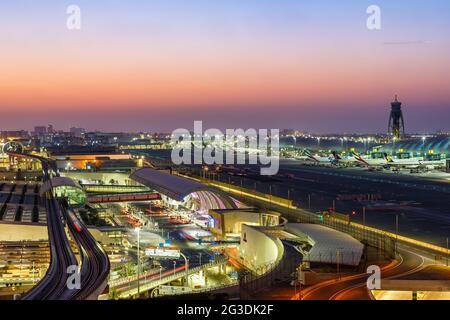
[(396, 122)]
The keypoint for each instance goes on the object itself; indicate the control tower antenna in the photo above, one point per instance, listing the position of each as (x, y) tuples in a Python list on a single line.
[(396, 126)]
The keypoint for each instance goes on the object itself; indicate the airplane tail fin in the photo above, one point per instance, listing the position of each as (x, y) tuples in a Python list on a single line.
[(388, 157), (359, 158), (309, 154), (355, 154), (336, 155)]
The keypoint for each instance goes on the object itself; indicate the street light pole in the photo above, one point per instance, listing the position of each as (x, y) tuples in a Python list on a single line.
[(300, 275), (364, 221), (289, 198), (338, 257), (187, 272), (295, 288), (186, 266), (270, 189), (423, 146), (138, 230), (396, 233), (34, 279), (447, 252)]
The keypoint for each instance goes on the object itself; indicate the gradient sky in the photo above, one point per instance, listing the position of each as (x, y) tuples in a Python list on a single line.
[(161, 64)]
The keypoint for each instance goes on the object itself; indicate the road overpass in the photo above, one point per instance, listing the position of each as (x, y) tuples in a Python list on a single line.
[(113, 188), (123, 197), (127, 288)]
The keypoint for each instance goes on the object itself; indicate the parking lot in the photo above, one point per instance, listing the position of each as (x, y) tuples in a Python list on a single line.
[(20, 202)]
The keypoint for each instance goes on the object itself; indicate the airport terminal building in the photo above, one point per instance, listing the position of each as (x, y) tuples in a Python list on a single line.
[(438, 146)]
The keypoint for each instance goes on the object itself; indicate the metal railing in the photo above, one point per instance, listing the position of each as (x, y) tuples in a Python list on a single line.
[(19, 280), (168, 278), (374, 237), (94, 188), (234, 283)]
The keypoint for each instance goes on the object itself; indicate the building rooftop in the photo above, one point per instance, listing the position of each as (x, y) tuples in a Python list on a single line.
[(178, 188), (439, 145), (59, 182), (328, 245)]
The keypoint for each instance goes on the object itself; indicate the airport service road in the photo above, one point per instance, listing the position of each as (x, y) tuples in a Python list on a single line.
[(354, 287), (422, 202)]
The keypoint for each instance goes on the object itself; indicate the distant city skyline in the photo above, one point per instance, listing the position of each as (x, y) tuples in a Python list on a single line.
[(65, 129), (159, 65)]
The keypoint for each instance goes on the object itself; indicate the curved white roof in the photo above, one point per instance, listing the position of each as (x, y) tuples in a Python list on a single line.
[(176, 187), (328, 245)]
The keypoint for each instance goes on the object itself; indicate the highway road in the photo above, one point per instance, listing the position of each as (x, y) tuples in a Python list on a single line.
[(354, 287)]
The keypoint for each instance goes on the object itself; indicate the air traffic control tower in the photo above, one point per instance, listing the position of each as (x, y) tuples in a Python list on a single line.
[(396, 121)]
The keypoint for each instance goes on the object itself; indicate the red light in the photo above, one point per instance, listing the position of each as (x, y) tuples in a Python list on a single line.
[(77, 227)]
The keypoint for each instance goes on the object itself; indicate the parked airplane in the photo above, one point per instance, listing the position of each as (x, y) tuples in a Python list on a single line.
[(414, 162), (371, 161), (343, 159), (375, 160), (319, 159)]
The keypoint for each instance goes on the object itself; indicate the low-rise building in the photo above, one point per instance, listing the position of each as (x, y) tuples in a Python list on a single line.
[(228, 222)]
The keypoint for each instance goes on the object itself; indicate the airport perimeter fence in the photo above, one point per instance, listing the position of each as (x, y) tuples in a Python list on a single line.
[(376, 238), (252, 283), (372, 237), (364, 234), (385, 241)]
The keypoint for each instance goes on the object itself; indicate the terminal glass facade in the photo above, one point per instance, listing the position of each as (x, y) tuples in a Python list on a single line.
[(75, 196)]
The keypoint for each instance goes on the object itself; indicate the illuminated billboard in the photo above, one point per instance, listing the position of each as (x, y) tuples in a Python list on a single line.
[(162, 252)]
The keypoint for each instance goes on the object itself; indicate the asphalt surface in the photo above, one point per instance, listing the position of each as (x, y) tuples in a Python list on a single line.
[(421, 202), (355, 287)]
